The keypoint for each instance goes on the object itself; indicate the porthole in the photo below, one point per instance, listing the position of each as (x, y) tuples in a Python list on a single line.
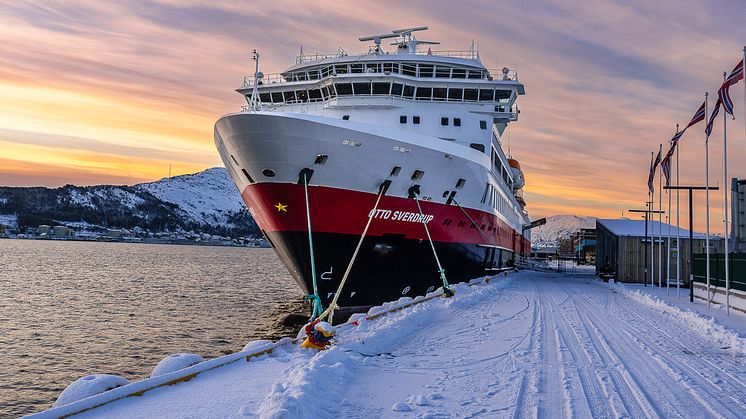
[(268, 172)]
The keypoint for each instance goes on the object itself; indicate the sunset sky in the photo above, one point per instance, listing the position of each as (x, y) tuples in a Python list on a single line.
[(113, 92)]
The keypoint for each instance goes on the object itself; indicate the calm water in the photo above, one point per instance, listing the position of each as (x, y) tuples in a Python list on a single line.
[(69, 309)]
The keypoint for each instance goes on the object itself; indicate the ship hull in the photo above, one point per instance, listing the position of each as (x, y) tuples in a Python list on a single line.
[(396, 258)]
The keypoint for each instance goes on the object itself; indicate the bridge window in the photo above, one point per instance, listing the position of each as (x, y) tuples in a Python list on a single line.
[(459, 73), (408, 91), (475, 74), (486, 95), (455, 94), (442, 72), (502, 95), (301, 95), (289, 96), (470, 94), (265, 97), (313, 75), (409, 70), (340, 69), (314, 94), (356, 68), (381, 88), (439, 93), (373, 68), (424, 93), (426, 70), (391, 67), (361, 88), (396, 89), (343, 89), (277, 97), (326, 71)]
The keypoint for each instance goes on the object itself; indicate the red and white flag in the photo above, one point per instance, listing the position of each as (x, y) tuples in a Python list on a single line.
[(699, 116), (666, 162), (708, 128), (651, 175), (723, 94)]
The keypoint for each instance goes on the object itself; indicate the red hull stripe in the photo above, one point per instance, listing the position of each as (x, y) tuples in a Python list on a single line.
[(282, 207)]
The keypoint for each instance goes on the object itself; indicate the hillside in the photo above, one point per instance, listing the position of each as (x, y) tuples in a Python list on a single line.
[(559, 227), (206, 202)]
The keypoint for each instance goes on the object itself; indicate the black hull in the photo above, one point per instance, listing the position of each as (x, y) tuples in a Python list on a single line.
[(386, 268)]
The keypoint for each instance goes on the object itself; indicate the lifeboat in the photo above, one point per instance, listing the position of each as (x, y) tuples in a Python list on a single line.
[(518, 179)]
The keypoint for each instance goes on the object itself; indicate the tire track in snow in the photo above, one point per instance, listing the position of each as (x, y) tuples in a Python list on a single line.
[(581, 360), (552, 369), (673, 366), (735, 389), (634, 397)]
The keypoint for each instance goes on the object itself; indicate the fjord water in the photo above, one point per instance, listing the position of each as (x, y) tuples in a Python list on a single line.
[(69, 309)]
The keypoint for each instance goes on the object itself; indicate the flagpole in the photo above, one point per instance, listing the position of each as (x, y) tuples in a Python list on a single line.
[(668, 221), (707, 203), (726, 190), (652, 234), (678, 218), (660, 220)]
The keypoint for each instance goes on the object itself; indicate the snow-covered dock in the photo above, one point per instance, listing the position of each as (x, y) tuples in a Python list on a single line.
[(529, 344)]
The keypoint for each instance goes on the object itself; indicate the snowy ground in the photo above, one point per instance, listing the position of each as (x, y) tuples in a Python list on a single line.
[(535, 344)]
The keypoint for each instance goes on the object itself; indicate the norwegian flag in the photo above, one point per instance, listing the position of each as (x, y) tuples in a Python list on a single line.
[(653, 165), (666, 162), (723, 94), (708, 128), (699, 116)]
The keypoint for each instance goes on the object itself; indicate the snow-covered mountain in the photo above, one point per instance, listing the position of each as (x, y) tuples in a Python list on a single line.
[(207, 197), (559, 227), (202, 202)]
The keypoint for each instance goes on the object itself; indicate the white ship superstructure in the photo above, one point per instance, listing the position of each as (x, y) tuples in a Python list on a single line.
[(408, 123)]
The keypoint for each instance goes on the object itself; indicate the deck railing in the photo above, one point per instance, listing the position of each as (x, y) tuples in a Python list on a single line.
[(327, 72)]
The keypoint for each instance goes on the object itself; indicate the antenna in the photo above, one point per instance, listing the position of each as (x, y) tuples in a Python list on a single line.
[(377, 40)]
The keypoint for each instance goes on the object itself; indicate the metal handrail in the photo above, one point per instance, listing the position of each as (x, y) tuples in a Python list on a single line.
[(491, 74)]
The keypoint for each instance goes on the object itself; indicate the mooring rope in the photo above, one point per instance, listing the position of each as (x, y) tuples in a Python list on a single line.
[(474, 223), (317, 307), (446, 289), (333, 305)]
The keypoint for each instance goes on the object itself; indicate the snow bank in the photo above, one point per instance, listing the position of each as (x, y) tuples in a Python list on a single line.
[(176, 362), (88, 386), (307, 390), (706, 327)]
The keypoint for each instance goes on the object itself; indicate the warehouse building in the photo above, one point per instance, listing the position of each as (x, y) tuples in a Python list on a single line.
[(621, 249)]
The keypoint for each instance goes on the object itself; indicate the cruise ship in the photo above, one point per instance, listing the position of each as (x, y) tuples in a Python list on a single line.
[(388, 166)]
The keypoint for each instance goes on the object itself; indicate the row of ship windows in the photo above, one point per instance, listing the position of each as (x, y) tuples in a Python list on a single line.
[(500, 169), (407, 69), (387, 89), (499, 203), (444, 121)]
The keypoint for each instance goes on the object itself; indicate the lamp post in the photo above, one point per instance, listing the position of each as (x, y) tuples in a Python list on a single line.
[(691, 232)]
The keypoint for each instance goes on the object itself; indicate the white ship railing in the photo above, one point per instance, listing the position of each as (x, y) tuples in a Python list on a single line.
[(326, 72), (465, 54)]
